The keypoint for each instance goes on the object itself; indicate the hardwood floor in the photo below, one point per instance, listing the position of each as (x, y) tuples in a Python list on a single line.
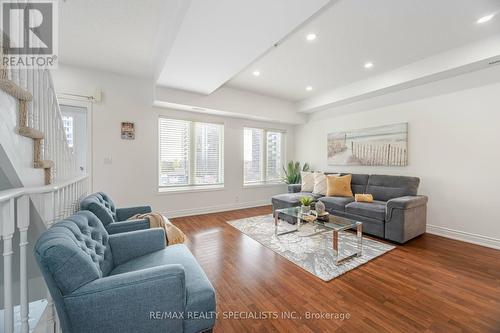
[(431, 284)]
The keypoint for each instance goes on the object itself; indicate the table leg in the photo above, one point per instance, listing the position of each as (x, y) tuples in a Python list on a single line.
[(336, 245), (276, 216), (359, 234)]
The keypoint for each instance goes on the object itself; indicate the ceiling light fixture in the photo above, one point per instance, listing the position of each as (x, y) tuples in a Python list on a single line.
[(311, 37), (256, 73), (485, 19), (368, 65), (309, 88)]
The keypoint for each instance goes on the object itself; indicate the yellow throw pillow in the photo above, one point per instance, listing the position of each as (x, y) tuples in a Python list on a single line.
[(338, 186), (363, 198)]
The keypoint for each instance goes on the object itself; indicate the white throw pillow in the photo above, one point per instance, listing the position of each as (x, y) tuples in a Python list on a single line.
[(307, 181), (319, 183)]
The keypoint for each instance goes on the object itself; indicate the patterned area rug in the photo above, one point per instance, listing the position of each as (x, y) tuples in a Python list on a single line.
[(308, 249)]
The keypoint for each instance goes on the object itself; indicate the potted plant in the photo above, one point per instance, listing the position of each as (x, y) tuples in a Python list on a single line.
[(292, 172), (306, 202)]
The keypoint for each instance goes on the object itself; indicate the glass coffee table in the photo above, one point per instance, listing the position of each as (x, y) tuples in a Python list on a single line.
[(334, 223)]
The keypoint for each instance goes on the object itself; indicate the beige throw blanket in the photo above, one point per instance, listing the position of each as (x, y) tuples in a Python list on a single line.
[(173, 234)]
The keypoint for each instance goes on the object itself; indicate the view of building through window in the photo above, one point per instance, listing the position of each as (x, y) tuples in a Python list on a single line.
[(263, 155), (191, 153), (68, 129)]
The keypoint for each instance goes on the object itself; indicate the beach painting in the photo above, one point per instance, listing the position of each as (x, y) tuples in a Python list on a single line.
[(383, 146)]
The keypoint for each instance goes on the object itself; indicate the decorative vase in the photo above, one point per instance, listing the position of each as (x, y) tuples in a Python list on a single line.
[(320, 207), (306, 209)]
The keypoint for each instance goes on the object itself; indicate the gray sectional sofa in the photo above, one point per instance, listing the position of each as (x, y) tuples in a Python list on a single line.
[(397, 213)]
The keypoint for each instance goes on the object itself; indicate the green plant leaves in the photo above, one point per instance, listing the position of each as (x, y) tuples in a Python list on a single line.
[(306, 201), (292, 172)]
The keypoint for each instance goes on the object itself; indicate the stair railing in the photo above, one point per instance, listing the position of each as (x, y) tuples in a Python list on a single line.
[(60, 200), (43, 114), (40, 119)]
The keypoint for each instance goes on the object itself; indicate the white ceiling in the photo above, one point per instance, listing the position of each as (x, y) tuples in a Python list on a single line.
[(218, 38), (390, 33), (116, 36), (201, 45)]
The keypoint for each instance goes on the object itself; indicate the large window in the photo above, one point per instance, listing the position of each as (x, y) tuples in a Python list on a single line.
[(191, 154), (263, 155)]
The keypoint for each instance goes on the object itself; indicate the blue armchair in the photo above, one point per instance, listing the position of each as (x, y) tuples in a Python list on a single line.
[(127, 282), (115, 219)]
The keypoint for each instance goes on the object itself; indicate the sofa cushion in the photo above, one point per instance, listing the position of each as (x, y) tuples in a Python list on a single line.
[(374, 210), (384, 187), (358, 183), (200, 296), (293, 198), (336, 203)]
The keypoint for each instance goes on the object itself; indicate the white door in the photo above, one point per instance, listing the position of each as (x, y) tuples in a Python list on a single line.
[(75, 125)]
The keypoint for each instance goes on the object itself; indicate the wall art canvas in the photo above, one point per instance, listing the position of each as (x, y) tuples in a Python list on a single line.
[(383, 145), (128, 131)]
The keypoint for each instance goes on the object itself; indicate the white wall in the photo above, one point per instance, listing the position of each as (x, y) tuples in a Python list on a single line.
[(234, 103), (131, 178), (454, 147)]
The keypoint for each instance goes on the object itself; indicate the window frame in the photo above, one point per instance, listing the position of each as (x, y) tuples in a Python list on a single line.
[(192, 159), (263, 164)]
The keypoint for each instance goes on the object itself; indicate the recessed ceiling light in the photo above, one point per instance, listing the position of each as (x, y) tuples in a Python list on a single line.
[(309, 88), (256, 73), (311, 37), (368, 65), (485, 19)]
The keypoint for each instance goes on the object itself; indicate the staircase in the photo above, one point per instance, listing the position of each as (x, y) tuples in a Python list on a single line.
[(39, 119)]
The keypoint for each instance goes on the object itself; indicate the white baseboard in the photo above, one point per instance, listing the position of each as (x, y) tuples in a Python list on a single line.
[(464, 236), (215, 209)]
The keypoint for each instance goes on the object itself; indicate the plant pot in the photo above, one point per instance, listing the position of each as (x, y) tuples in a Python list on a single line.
[(305, 209)]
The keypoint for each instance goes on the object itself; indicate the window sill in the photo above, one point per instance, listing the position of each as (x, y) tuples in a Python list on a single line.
[(263, 184), (189, 189)]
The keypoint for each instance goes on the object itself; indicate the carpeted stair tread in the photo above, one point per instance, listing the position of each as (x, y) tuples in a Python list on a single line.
[(31, 133), (44, 164)]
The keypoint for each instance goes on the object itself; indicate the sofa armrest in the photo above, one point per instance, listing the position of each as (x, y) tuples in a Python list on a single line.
[(129, 245), (126, 226), (129, 302), (403, 203), (125, 213), (294, 188)]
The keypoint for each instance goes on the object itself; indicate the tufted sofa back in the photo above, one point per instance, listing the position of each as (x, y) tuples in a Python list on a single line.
[(101, 205), (74, 252)]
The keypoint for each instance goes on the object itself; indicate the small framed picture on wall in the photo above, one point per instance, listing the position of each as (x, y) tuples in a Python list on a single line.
[(128, 131)]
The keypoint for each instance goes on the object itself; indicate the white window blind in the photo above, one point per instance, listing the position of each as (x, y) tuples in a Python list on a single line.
[(274, 160), (253, 169), (191, 153), (174, 152), (208, 151), (263, 155)]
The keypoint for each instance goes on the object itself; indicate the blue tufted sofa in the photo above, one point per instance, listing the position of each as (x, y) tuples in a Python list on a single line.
[(127, 282), (114, 219)]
